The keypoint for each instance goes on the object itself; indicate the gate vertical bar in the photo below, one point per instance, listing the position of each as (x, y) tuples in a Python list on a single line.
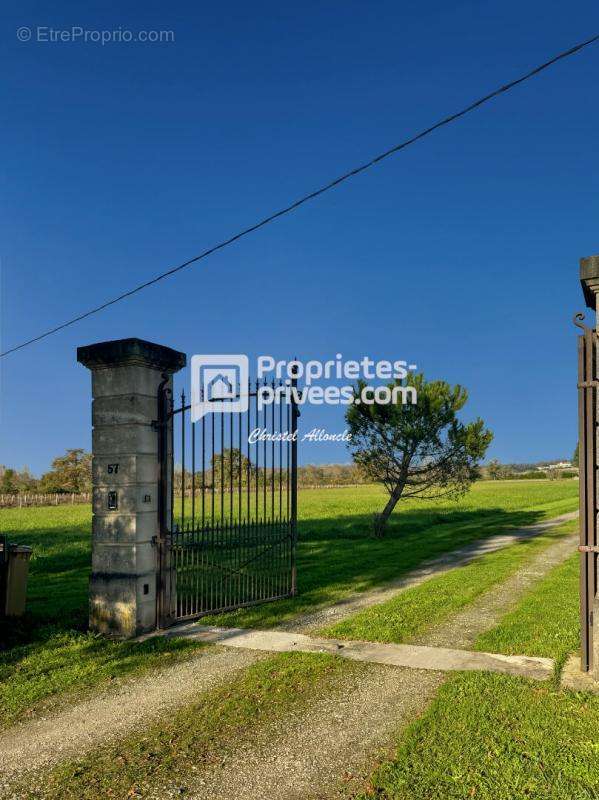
[(293, 528)]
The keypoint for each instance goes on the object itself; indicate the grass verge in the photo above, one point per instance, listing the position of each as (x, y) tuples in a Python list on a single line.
[(495, 737), (411, 612), (167, 756), (546, 622)]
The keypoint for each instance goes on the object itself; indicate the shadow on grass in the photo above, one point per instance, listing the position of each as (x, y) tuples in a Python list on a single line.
[(411, 522), (334, 561), (335, 557), (57, 590)]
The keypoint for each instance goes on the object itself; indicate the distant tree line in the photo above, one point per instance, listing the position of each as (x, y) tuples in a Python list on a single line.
[(231, 468), (70, 473), (496, 471), (331, 475)]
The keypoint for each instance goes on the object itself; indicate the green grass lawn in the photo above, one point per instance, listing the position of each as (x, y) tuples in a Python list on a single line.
[(337, 556), (49, 655), (413, 611), (496, 737), (488, 736), (546, 622), (493, 737), (59, 568), (49, 652)]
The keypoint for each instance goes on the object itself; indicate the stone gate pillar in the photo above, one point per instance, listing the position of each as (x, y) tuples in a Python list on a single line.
[(126, 374)]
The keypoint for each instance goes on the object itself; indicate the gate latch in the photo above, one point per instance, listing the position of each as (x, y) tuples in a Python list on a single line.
[(588, 548)]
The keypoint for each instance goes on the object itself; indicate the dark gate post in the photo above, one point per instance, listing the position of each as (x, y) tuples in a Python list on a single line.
[(126, 376), (166, 598), (588, 413)]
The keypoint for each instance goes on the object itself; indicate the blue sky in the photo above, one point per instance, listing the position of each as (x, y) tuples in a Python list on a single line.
[(461, 253)]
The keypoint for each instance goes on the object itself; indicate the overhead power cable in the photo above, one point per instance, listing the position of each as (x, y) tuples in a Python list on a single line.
[(306, 198)]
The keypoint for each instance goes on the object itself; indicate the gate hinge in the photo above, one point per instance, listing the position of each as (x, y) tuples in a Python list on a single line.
[(588, 548)]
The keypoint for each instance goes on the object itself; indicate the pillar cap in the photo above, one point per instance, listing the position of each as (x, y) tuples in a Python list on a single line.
[(589, 278), (125, 352)]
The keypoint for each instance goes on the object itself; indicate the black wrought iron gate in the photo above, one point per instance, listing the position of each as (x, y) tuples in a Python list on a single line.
[(228, 506), (587, 451)]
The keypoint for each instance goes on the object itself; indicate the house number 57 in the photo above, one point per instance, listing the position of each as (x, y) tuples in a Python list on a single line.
[(113, 469)]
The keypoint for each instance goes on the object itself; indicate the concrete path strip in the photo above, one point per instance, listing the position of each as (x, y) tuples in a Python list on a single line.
[(439, 659), (323, 617)]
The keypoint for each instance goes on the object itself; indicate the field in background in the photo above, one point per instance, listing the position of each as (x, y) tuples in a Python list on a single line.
[(336, 553), (26, 499)]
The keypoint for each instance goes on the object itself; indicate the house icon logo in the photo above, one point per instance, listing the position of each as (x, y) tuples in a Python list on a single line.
[(219, 388), (219, 384)]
